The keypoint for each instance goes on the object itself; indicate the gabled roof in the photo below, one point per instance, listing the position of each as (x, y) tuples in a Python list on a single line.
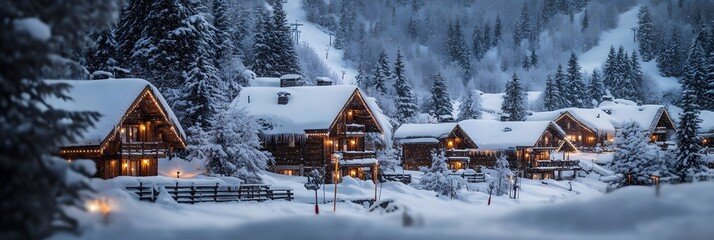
[(308, 107), (428, 130), (594, 119), (112, 98), (491, 134), (646, 115)]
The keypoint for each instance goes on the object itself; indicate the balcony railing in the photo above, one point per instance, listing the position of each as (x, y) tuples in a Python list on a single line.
[(351, 155), (556, 165), (352, 129), (144, 149)]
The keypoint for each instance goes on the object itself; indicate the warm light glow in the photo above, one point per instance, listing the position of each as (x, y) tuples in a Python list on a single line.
[(353, 173), (143, 127), (146, 161), (349, 113), (704, 141), (451, 144), (353, 142), (124, 165)]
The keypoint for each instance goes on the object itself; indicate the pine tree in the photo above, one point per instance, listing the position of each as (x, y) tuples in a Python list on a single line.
[(438, 178), (344, 27), (497, 31), (609, 69), (129, 30), (586, 21), (514, 101), (646, 35), (596, 87), (697, 71), (551, 95), (560, 82), (689, 162), (534, 58), (503, 172), (621, 86), (574, 91), (287, 60), (440, 97), (522, 29), (636, 81), (486, 43), (264, 60), (101, 58), (456, 48), (382, 74), (405, 101), (671, 59), (477, 43), (471, 107), (634, 159), (362, 78), (226, 49), (412, 29), (42, 194), (237, 147)]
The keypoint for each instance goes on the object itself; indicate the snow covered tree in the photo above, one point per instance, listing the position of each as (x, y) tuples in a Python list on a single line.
[(129, 31), (497, 31), (284, 50), (533, 58), (636, 82), (456, 49), (362, 78), (440, 97), (514, 101), (487, 41), (237, 151), (634, 158), (609, 69), (689, 162), (42, 193), (551, 95), (314, 180), (477, 43), (646, 34), (574, 90), (381, 74), (345, 26), (503, 171), (471, 107), (522, 30), (227, 53), (670, 61), (586, 21), (697, 71), (405, 101), (596, 87), (264, 58), (102, 57), (437, 177), (560, 81)]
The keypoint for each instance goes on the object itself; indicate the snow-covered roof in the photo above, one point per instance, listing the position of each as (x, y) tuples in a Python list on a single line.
[(112, 99), (594, 119), (430, 130), (645, 115), (264, 82), (707, 124), (491, 134), (308, 107)]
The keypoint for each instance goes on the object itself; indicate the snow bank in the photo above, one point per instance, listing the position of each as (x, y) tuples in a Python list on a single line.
[(491, 134)]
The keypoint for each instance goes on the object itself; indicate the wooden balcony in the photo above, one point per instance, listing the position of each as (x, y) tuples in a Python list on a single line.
[(462, 155), (351, 155), (548, 165), (351, 130), (144, 149)]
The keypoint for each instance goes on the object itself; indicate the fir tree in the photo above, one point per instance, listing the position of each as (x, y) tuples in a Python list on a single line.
[(697, 71), (646, 35), (102, 56), (574, 91), (237, 147), (226, 49), (406, 106), (477, 43), (344, 27), (381, 74), (438, 178), (522, 29), (497, 31), (514, 101), (689, 162), (636, 82), (440, 97), (551, 95), (670, 61), (596, 87), (534, 58), (264, 60), (129, 30), (42, 194), (487, 41), (634, 158), (609, 69), (287, 60), (412, 29), (456, 48), (560, 81), (362, 78), (471, 107), (586, 21)]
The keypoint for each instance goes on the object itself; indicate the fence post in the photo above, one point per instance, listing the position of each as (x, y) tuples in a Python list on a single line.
[(215, 193), (193, 194), (141, 190), (176, 192)]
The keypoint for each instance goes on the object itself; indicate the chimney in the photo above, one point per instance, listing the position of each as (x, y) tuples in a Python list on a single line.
[(291, 80), (283, 98), (323, 81)]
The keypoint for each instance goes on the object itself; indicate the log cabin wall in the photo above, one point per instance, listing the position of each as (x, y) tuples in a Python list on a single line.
[(415, 155), (664, 129), (577, 133)]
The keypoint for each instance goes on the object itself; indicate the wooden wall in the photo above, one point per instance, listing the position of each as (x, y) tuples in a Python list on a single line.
[(417, 154)]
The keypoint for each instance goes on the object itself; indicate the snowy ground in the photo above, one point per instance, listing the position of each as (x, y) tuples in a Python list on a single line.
[(318, 39), (542, 212), (622, 35)]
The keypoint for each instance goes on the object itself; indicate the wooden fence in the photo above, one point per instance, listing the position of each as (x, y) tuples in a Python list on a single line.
[(472, 177), (213, 193), (397, 177)]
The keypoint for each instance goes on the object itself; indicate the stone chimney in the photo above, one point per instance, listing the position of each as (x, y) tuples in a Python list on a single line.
[(283, 98)]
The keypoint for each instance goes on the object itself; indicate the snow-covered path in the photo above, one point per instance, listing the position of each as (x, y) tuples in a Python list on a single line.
[(318, 39), (622, 35)]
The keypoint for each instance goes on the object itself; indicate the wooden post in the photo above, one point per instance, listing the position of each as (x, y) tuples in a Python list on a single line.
[(141, 190), (215, 193), (193, 194), (337, 177)]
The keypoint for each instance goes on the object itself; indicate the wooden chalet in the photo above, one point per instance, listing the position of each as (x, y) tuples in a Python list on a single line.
[(312, 127), (706, 129), (419, 141), (135, 129), (585, 128), (654, 119), (528, 145)]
